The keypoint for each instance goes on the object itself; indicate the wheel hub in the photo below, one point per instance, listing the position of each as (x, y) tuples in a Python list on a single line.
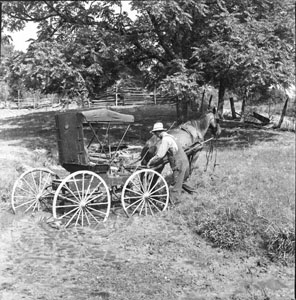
[(82, 203), (146, 195)]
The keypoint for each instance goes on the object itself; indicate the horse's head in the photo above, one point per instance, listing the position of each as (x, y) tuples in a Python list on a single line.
[(214, 121)]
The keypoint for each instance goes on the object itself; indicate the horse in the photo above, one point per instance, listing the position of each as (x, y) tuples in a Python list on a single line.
[(187, 134)]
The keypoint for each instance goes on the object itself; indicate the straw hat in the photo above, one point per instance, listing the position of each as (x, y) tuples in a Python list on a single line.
[(158, 127)]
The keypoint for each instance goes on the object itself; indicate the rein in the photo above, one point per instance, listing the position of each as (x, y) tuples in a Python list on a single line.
[(209, 155)]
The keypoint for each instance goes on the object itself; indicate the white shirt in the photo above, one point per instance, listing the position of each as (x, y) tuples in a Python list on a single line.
[(167, 143)]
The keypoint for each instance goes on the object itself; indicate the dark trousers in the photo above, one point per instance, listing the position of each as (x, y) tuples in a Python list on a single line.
[(180, 167)]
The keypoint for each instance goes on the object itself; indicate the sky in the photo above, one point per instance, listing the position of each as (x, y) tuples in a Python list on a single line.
[(20, 39)]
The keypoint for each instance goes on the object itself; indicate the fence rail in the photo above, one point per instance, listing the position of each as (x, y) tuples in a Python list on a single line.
[(113, 97), (130, 96)]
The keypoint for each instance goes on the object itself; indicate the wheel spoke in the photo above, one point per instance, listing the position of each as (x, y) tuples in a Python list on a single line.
[(77, 189), (152, 213), (150, 202), (97, 203), (132, 191), (89, 212), (29, 185), (82, 190), (46, 182), (70, 220), (158, 195), (133, 203), (86, 217), (96, 197), (36, 205), (65, 206), (150, 182), (35, 183), (69, 199), (138, 206), (95, 210), (155, 200), (154, 191), (141, 184), (78, 200), (133, 197), (77, 219), (69, 212), (31, 205), (96, 188), (26, 191), (89, 185), (143, 204), (25, 203)]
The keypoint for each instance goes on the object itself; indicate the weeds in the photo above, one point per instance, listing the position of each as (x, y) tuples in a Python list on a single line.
[(247, 204)]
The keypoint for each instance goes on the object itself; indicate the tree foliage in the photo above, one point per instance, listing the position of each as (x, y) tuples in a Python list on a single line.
[(179, 45)]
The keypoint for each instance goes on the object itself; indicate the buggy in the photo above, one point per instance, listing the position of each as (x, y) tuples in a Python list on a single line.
[(98, 178)]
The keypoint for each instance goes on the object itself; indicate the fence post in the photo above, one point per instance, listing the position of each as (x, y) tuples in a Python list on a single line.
[(232, 108), (116, 95), (154, 94), (18, 99)]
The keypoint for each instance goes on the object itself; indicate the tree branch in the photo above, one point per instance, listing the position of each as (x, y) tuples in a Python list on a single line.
[(160, 36)]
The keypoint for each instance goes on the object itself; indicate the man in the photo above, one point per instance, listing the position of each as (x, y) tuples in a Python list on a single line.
[(177, 159)]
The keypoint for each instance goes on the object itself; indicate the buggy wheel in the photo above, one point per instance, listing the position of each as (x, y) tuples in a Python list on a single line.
[(146, 192), (32, 190), (82, 198)]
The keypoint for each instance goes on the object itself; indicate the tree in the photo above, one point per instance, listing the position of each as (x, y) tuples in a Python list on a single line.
[(177, 44), (251, 45), (75, 46)]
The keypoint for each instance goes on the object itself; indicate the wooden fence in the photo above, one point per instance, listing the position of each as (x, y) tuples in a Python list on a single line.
[(113, 97), (34, 102), (130, 96)]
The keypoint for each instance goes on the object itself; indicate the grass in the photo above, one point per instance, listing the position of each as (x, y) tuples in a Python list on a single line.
[(247, 203)]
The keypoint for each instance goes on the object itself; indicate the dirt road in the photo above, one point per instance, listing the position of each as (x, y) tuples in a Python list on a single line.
[(123, 259)]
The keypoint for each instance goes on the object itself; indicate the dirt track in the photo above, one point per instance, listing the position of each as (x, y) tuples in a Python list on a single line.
[(128, 259)]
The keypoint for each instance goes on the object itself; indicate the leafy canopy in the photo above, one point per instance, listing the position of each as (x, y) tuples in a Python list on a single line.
[(177, 45)]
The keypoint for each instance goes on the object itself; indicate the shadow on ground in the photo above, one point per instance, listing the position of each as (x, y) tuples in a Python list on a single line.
[(242, 135), (38, 130)]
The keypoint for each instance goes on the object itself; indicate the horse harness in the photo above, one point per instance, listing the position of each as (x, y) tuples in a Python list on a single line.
[(195, 135)]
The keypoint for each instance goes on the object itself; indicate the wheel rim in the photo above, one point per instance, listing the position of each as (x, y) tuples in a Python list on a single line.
[(31, 189), (146, 192), (82, 198)]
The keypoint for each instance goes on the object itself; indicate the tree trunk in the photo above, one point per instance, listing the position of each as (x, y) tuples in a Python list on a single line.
[(283, 112), (221, 98), (232, 108)]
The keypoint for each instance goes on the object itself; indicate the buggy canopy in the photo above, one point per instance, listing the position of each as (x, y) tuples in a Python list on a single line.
[(106, 115)]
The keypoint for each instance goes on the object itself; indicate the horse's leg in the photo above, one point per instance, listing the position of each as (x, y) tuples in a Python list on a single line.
[(193, 161)]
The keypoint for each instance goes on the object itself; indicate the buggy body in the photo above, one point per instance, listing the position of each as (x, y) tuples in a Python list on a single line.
[(99, 178)]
